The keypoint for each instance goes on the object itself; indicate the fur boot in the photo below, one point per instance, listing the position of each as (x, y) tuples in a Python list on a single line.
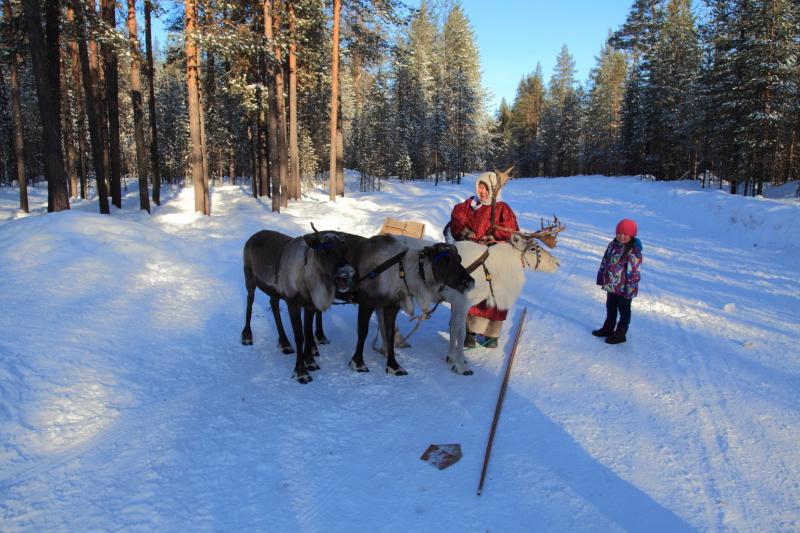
[(490, 342), (469, 340), (606, 330), (618, 336)]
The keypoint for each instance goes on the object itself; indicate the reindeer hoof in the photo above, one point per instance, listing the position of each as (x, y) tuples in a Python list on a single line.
[(247, 342), (322, 340), (286, 350), (314, 352), (402, 345), (358, 368), (465, 372), (399, 371), (302, 378), (312, 366)]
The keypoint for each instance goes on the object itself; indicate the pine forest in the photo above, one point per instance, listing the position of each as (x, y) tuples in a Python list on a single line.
[(282, 95)]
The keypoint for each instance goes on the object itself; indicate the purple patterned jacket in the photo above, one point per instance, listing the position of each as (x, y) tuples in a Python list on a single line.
[(619, 271)]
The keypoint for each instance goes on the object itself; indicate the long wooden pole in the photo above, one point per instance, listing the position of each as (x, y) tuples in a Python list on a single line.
[(500, 401)]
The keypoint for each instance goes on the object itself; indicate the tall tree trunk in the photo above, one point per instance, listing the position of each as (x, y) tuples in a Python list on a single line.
[(16, 110), (96, 54), (339, 159), (280, 108), (274, 120), (112, 101), (92, 91), (46, 72), (258, 125), (252, 137), (294, 152), (138, 111), (66, 128), (231, 121), (203, 145), (337, 8), (154, 155), (195, 129), (75, 64)]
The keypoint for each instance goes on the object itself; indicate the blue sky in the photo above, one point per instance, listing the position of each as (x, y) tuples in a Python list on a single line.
[(513, 35)]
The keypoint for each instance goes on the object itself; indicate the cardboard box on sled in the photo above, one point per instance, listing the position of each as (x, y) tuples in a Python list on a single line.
[(393, 226)]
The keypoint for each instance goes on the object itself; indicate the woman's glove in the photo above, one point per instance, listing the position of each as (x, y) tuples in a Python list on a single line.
[(467, 234)]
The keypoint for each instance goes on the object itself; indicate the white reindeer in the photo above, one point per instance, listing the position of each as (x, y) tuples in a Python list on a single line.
[(504, 264)]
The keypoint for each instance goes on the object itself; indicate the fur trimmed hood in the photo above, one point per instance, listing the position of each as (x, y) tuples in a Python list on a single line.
[(490, 180)]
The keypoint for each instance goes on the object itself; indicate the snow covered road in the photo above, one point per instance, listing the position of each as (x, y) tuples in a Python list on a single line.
[(127, 402)]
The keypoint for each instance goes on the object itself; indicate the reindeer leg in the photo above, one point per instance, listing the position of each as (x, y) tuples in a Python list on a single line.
[(458, 329), (392, 366), (300, 371), (364, 314), (310, 348), (247, 333), (283, 340), (320, 333), (381, 349)]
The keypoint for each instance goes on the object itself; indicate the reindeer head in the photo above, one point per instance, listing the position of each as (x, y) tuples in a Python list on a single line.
[(534, 257), (331, 249), (447, 268)]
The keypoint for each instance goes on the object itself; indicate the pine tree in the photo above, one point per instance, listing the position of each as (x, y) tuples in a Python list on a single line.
[(638, 36), (13, 39), (525, 121), (44, 48), (604, 112), (561, 116), (138, 111), (673, 86), (463, 95)]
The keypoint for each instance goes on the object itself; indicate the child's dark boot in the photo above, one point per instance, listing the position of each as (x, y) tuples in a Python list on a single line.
[(490, 342), (618, 336), (606, 330)]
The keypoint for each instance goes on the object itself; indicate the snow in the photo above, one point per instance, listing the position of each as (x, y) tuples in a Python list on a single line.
[(128, 402)]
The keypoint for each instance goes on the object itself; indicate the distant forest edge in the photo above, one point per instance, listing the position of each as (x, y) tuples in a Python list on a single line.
[(278, 92)]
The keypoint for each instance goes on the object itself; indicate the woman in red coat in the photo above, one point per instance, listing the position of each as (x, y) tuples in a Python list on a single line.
[(472, 220)]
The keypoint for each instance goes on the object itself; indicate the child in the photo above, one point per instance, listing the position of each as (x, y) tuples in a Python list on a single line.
[(619, 276)]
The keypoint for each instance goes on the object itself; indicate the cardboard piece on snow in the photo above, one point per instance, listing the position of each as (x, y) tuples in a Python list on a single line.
[(410, 228), (442, 455)]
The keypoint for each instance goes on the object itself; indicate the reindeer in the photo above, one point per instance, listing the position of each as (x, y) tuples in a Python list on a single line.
[(424, 271), (306, 272), (499, 277)]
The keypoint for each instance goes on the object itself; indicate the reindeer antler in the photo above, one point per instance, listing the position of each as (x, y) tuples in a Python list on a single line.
[(547, 233), (503, 176)]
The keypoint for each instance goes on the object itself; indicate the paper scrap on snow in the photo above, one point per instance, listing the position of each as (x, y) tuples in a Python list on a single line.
[(442, 455)]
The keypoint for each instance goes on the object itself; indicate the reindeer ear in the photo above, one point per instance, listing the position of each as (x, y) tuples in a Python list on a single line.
[(311, 239), (518, 241), (503, 176)]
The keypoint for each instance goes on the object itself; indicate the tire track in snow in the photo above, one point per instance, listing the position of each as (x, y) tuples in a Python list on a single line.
[(723, 434)]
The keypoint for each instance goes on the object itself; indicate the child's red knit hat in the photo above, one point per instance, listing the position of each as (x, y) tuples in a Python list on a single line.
[(627, 226)]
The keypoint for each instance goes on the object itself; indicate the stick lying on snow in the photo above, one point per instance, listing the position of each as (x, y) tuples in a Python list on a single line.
[(500, 400)]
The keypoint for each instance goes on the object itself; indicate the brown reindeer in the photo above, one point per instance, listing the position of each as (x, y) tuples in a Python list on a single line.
[(305, 271)]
